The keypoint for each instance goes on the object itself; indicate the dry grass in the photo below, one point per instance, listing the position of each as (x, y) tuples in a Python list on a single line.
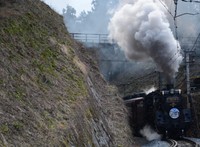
[(45, 99)]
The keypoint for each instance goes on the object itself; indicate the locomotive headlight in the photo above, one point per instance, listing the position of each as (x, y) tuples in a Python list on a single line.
[(174, 113)]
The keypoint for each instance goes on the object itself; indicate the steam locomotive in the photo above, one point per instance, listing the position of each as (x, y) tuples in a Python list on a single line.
[(167, 111)]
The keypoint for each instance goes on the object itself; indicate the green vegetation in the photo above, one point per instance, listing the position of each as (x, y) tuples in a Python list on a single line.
[(44, 98), (37, 76), (17, 125), (4, 128), (19, 95), (88, 113), (28, 33), (50, 121)]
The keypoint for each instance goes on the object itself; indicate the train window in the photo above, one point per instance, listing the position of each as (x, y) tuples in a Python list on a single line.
[(173, 99)]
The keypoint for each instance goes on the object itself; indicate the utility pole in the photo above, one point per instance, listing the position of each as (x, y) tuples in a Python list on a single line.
[(187, 62)]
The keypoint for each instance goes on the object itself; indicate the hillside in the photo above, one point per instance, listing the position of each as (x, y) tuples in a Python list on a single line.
[(51, 92)]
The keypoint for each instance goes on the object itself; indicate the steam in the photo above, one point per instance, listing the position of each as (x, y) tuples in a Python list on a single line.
[(142, 30), (149, 90), (149, 133)]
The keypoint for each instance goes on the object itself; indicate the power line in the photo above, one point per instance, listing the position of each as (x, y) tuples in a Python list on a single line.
[(186, 14), (175, 25), (164, 5), (175, 58), (138, 78), (193, 48), (195, 1)]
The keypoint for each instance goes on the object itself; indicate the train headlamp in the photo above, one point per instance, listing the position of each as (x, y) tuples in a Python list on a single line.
[(174, 113)]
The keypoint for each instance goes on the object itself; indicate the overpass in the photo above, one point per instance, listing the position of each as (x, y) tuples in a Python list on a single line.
[(95, 39), (190, 43)]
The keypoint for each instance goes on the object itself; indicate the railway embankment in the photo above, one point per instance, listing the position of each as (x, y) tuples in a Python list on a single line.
[(51, 92)]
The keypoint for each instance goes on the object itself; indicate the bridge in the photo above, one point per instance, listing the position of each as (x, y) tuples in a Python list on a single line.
[(191, 43), (92, 38)]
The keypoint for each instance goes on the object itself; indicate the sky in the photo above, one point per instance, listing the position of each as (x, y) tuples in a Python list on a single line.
[(79, 5)]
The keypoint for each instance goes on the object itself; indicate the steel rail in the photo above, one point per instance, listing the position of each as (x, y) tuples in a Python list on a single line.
[(173, 143), (193, 143)]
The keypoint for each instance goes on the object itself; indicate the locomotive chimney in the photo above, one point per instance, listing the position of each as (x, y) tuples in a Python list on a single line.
[(170, 83), (169, 86), (165, 82)]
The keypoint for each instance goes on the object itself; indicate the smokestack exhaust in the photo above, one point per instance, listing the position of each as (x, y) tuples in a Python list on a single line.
[(169, 86), (142, 30)]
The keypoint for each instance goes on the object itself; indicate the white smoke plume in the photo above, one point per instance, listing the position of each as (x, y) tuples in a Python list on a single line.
[(149, 90), (149, 133), (142, 30)]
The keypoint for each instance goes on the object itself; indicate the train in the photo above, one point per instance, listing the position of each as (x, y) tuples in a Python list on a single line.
[(167, 111)]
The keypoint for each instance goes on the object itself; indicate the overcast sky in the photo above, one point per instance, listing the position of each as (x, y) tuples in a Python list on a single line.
[(79, 5)]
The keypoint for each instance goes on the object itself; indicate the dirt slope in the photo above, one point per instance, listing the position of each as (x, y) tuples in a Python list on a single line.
[(51, 92)]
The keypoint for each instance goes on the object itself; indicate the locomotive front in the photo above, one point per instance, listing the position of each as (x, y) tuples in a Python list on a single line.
[(172, 113)]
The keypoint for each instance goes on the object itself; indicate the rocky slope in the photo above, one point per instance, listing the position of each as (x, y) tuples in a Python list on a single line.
[(51, 92)]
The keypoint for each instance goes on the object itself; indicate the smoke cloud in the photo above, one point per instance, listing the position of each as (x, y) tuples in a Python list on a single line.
[(149, 90), (142, 30), (149, 133)]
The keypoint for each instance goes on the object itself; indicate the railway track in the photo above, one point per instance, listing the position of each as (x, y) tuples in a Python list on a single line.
[(173, 143), (182, 142), (192, 143)]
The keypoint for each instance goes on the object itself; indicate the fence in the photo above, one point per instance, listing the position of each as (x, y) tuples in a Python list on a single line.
[(91, 38)]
